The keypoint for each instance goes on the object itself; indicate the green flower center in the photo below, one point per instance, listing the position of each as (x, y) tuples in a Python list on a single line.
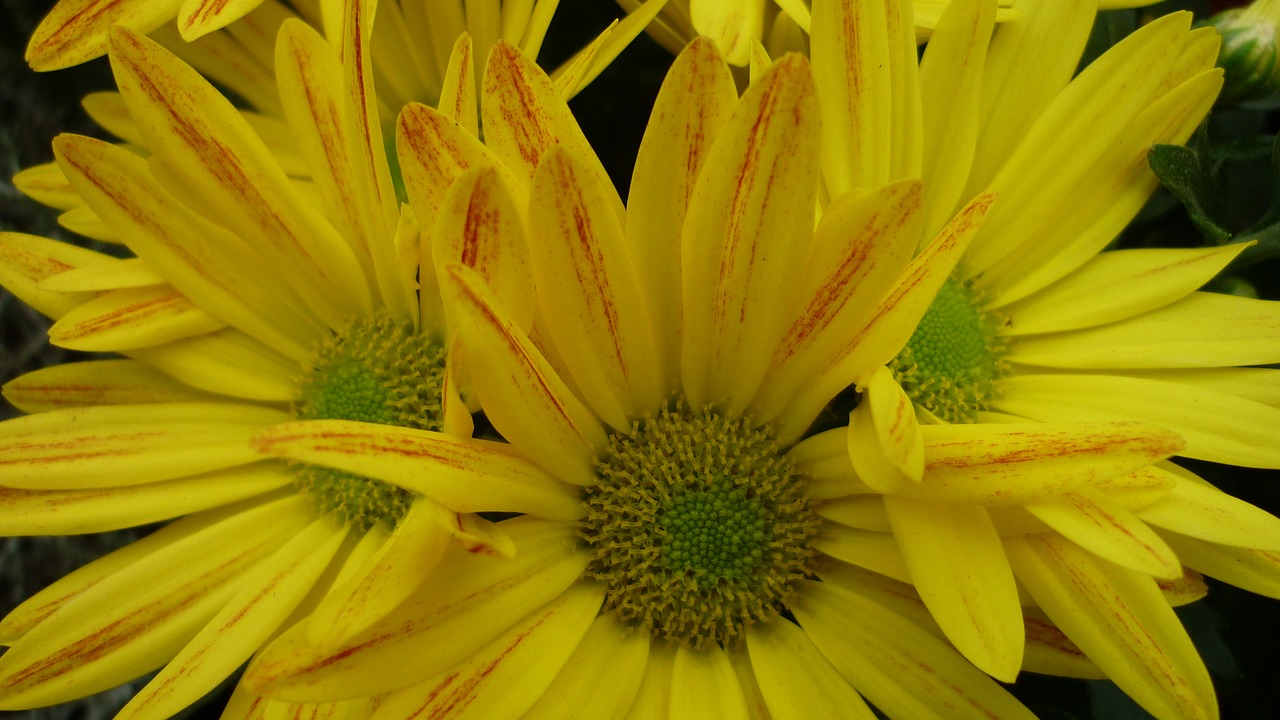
[(953, 360), (698, 526), (378, 370)]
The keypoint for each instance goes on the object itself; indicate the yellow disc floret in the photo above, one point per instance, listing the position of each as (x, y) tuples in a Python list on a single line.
[(698, 526), (378, 370)]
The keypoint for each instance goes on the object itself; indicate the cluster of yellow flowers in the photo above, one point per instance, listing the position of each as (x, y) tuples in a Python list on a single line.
[(399, 228)]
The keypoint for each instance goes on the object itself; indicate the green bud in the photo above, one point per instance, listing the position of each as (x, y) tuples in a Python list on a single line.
[(1250, 52)]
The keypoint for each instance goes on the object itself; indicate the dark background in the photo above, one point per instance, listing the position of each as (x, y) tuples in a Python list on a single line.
[(1237, 632)]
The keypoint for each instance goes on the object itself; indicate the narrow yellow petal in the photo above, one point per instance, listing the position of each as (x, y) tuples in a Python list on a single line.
[(1117, 285), (400, 565), (798, 683), (481, 226), (861, 245), (132, 318), (47, 185), (522, 395), (1215, 425), (458, 100), (201, 17), (111, 445), (72, 512), (83, 221), (1206, 513), (1257, 571), (267, 595), (602, 677), (210, 158), (823, 460), (218, 271), (462, 474), (1202, 330), (76, 31), (865, 69), (885, 444), (1019, 463), (653, 699), (224, 60), (1120, 619), (703, 685), (1107, 530), (693, 104), (113, 631), (897, 665), (125, 273), (732, 25), (608, 45), (483, 598), (524, 115), (957, 564), (950, 82), (750, 220), (96, 382), (26, 260), (227, 362), (878, 551), (599, 322), (861, 512)]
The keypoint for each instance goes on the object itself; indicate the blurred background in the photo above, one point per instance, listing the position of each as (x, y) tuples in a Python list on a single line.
[(1226, 187)]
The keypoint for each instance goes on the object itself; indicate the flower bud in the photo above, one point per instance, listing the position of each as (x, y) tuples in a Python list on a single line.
[(1250, 52)]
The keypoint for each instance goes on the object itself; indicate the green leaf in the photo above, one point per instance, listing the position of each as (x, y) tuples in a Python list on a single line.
[(1191, 180)]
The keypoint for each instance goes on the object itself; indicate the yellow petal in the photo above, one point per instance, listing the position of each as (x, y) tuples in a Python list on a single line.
[(703, 685), (200, 17), (950, 82), (653, 699), (126, 273), (481, 226), (957, 564), (218, 271), (1019, 463), (1120, 619), (1257, 571), (483, 598), (1207, 513), (604, 49), (693, 104), (136, 619), (76, 30), (267, 595), (601, 678), (861, 245), (865, 69), (462, 474), (26, 260), (132, 318), (598, 321), (1215, 425), (47, 185), (524, 115), (72, 512), (878, 551), (732, 25), (96, 382), (1117, 285), (227, 362), (113, 445), (224, 60), (400, 565), (885, 444), (1202, 330), (750, 219), (210, 158), (458, 100), (823, 460), (861, 512), (897, 665), (523, 397), (798, 683), (1107, 530)]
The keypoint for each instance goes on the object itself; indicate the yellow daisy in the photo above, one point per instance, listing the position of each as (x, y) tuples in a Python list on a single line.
[(1037, 324), (255, 298), (691, 581), (782, 25)]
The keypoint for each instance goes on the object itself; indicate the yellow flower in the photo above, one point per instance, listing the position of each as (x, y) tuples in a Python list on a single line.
[(690, 579), (781, 25), (1038, 324), (247, 305)]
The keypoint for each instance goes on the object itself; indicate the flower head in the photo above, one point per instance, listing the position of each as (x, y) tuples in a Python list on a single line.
[(255, 298), (693, 577)]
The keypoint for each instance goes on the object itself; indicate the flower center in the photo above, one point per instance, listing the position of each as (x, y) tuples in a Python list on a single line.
[(698, 526), (377, 370), (952, 361)]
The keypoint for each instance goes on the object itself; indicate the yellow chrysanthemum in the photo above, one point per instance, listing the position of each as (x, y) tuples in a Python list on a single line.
[(255, 298), (782, 25), (1037, 324), (690, 581)]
